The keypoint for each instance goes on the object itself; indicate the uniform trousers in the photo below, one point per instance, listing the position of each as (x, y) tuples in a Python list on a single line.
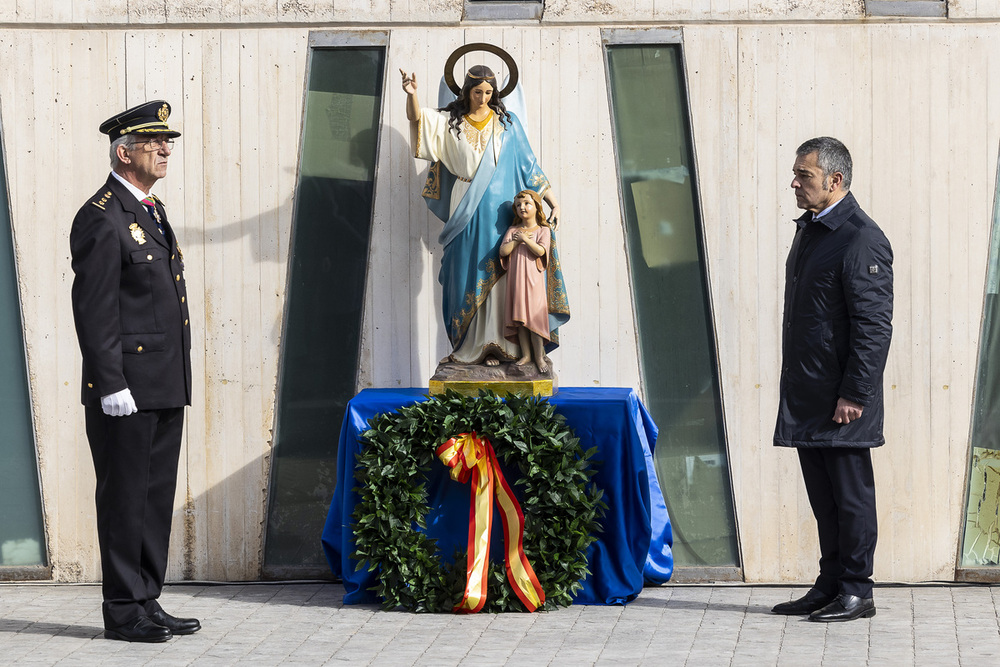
[(135, 459), (840, 483)]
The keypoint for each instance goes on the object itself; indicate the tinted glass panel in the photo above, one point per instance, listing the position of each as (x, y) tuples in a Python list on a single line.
[(982, 526), (22, 541), (329, 254), (677, 347)]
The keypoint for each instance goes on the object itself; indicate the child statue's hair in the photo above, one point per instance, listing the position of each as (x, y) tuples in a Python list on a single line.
[(539, 211)]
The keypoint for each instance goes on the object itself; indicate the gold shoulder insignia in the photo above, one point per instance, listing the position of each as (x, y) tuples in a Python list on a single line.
[(103, 200)]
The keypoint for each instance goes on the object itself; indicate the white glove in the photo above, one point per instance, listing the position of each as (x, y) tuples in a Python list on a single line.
[(119, 404)]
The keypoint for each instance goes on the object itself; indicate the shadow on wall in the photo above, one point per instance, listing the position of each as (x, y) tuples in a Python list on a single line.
[(320, 357), (216, 536), (338, 239)]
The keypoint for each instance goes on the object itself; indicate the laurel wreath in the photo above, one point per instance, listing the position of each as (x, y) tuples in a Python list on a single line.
[(562, 507)]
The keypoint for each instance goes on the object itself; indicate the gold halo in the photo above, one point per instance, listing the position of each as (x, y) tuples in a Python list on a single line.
[(449, 66)]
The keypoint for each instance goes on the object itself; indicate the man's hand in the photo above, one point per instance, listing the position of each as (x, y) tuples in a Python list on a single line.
[(847, 411), (119, 404)]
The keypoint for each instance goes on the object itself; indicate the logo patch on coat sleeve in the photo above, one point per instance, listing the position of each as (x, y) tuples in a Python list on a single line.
[(873, 268)]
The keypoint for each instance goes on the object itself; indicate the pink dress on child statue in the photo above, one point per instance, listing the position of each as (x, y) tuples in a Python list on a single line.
[(526, 302)]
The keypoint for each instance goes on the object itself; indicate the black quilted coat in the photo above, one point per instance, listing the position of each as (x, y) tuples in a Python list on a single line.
[(836, 329)]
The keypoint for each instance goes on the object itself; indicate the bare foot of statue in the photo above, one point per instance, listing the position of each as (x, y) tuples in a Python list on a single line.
[(491, 361), (446, 360), (526, 359), (538, 352)]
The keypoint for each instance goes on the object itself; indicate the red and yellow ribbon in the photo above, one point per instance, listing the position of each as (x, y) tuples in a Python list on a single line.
[(471, 458)]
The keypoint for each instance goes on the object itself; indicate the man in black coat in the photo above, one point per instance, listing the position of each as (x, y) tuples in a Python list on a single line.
[(131, 313), (835, 340)]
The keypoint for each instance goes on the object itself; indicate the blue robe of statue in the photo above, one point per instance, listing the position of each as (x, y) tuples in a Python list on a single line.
[(471, 185)]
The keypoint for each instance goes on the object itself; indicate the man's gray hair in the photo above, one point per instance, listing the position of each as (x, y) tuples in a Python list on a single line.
[(831, 156), (128, 141)]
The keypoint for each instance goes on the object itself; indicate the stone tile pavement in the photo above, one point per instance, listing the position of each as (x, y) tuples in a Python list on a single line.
[(306, 624)]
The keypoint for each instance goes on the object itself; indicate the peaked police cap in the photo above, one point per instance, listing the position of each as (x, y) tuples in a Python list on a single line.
[(148, 119)]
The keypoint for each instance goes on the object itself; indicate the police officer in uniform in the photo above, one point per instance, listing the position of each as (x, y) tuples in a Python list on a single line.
[(131, 313)]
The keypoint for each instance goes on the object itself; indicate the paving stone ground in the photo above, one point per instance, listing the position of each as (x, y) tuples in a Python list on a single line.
[(706, 625)]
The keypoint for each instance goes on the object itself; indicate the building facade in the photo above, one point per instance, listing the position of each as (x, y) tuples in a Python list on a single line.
[(668, 131)]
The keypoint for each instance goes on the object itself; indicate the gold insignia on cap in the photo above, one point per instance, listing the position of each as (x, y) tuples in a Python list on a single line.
[(137, 233), (163, 113)]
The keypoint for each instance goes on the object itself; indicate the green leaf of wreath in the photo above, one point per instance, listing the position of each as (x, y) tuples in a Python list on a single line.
[(562, 506)]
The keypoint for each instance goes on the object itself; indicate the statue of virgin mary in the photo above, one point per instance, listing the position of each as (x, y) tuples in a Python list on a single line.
[(480, 159)]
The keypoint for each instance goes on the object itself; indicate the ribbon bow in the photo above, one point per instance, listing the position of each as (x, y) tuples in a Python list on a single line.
[(472, 458)]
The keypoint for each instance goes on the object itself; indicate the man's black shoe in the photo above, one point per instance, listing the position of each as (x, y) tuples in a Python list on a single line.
[(845, 608), (139, 629), (178, 626), (806, 604)]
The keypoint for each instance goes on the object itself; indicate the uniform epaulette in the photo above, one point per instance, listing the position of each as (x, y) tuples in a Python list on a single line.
[(103, 200)]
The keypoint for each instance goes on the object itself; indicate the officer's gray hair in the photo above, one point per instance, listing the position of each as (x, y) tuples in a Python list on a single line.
[(128, 141), (831, 156)]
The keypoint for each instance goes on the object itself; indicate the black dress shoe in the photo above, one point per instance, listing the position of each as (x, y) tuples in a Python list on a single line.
[(139, 629), (178, 626), (806, 604), (845, 608)]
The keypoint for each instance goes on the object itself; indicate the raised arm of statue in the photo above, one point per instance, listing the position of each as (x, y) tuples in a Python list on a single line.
[(412, 103)]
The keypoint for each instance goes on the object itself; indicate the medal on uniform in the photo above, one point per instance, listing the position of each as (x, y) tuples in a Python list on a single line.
[(137, 233)]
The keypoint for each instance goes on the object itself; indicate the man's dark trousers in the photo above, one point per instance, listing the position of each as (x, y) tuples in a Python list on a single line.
[(135, 458), (840, 483)]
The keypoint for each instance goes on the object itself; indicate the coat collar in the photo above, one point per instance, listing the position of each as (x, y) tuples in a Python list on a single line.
[(835, 218), (131, 205)]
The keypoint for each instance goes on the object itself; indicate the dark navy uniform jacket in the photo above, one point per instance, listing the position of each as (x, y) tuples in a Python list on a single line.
[(836, 329), (130, 302)]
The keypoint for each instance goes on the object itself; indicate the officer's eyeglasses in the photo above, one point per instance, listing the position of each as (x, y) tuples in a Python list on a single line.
[(157, 144)]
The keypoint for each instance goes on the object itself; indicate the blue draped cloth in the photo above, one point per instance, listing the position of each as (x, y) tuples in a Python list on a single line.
[(634, 544)]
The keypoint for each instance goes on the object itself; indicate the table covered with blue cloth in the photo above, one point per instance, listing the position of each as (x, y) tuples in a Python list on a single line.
[(634, 544)]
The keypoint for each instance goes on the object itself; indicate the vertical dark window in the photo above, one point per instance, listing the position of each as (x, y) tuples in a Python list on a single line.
[(325, 297), (671, 299), (981, 546), (22, 536)]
